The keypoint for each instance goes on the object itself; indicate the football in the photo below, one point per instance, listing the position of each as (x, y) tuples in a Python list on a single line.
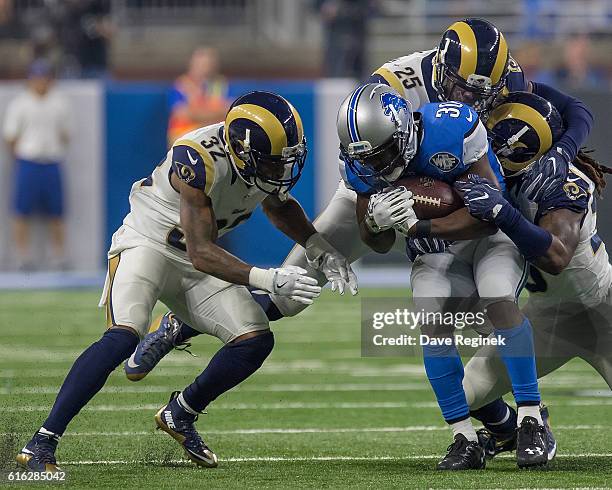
[(432, 198)]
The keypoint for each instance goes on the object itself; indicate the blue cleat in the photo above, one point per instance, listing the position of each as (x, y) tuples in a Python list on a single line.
[(38, 455), (174, 420), (152, 349), (550, 437)]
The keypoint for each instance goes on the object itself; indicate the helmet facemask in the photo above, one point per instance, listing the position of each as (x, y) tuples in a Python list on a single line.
[(384, 164), (273, 174), (477, 91)]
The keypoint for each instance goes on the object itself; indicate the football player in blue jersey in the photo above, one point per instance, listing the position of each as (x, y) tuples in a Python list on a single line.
[(570, 300), (472, 63), (381, 140)]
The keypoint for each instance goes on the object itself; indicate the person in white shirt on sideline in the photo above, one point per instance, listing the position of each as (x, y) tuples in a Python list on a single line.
[(37, 128)]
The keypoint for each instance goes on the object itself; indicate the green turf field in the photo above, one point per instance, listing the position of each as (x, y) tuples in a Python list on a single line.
[(316, 415)]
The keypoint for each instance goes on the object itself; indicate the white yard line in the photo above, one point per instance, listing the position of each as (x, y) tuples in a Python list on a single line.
[(387, 405), (256, 389), (272, 368), (311, 430), (272, 459), (251, 406)]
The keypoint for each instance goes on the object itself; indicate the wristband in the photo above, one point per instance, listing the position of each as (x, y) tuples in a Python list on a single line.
[(422, 229), (262, 278)]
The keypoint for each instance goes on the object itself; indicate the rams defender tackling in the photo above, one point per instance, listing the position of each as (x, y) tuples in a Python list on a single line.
[(570, 302), (210, 181), (472, 63)]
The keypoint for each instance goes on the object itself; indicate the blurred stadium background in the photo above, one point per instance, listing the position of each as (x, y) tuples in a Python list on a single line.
[(117, 60), (317, 414)]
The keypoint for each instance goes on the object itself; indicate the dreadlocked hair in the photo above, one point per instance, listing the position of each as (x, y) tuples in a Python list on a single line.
[(592, 168)]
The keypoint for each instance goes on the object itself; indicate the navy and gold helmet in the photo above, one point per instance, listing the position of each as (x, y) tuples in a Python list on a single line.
[(265, 140), (471, 63), (523, 127)]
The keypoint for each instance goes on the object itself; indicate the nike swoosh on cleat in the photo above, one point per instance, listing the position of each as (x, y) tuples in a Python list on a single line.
[(211, 462), (131, 364)]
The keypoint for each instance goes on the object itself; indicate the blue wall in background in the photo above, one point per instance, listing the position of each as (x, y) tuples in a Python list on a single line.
[(136, 121)]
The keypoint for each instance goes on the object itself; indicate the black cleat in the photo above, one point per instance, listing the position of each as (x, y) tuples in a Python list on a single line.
[(531, 446), (494, 443), (550, 437), (463, 455), (38, 455), (178, 423)]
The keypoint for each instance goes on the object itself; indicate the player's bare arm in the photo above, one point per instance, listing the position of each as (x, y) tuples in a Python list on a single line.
[(380, 241), (564, 226), (200, 228), (289, 217)]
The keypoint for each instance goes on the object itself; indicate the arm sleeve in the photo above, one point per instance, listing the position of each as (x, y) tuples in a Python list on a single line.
[(576, 115)]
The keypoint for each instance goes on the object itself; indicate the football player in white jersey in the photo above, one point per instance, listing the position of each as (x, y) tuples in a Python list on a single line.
[(570, 300), (210, 181), (472, 63)]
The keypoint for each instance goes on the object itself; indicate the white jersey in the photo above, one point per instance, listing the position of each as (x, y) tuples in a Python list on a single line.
[(588, 276), (411, 76), (200, 160)]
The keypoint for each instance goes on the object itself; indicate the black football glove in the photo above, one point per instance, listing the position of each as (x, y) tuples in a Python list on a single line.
[(421, 246), (545, 174)]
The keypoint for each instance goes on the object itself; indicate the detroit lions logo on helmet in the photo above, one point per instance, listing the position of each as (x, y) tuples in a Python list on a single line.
[(392, 105)]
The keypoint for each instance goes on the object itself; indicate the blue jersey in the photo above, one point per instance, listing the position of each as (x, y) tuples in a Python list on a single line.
[(452, 138)]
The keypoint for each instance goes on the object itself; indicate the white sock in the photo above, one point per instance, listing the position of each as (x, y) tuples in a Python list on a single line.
[(466, 428), (529, 411), (46, 432)]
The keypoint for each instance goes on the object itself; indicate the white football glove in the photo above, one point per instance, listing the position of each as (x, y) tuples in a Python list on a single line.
[(290, 281), (321, 255), (391, 209)]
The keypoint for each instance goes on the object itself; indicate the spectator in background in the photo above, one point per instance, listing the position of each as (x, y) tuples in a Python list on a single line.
[(577, 70), (345, 25), (37, 129), (83, 29), (199, 97)]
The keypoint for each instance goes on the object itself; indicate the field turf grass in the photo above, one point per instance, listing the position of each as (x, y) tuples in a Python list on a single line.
[(317, 415)]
